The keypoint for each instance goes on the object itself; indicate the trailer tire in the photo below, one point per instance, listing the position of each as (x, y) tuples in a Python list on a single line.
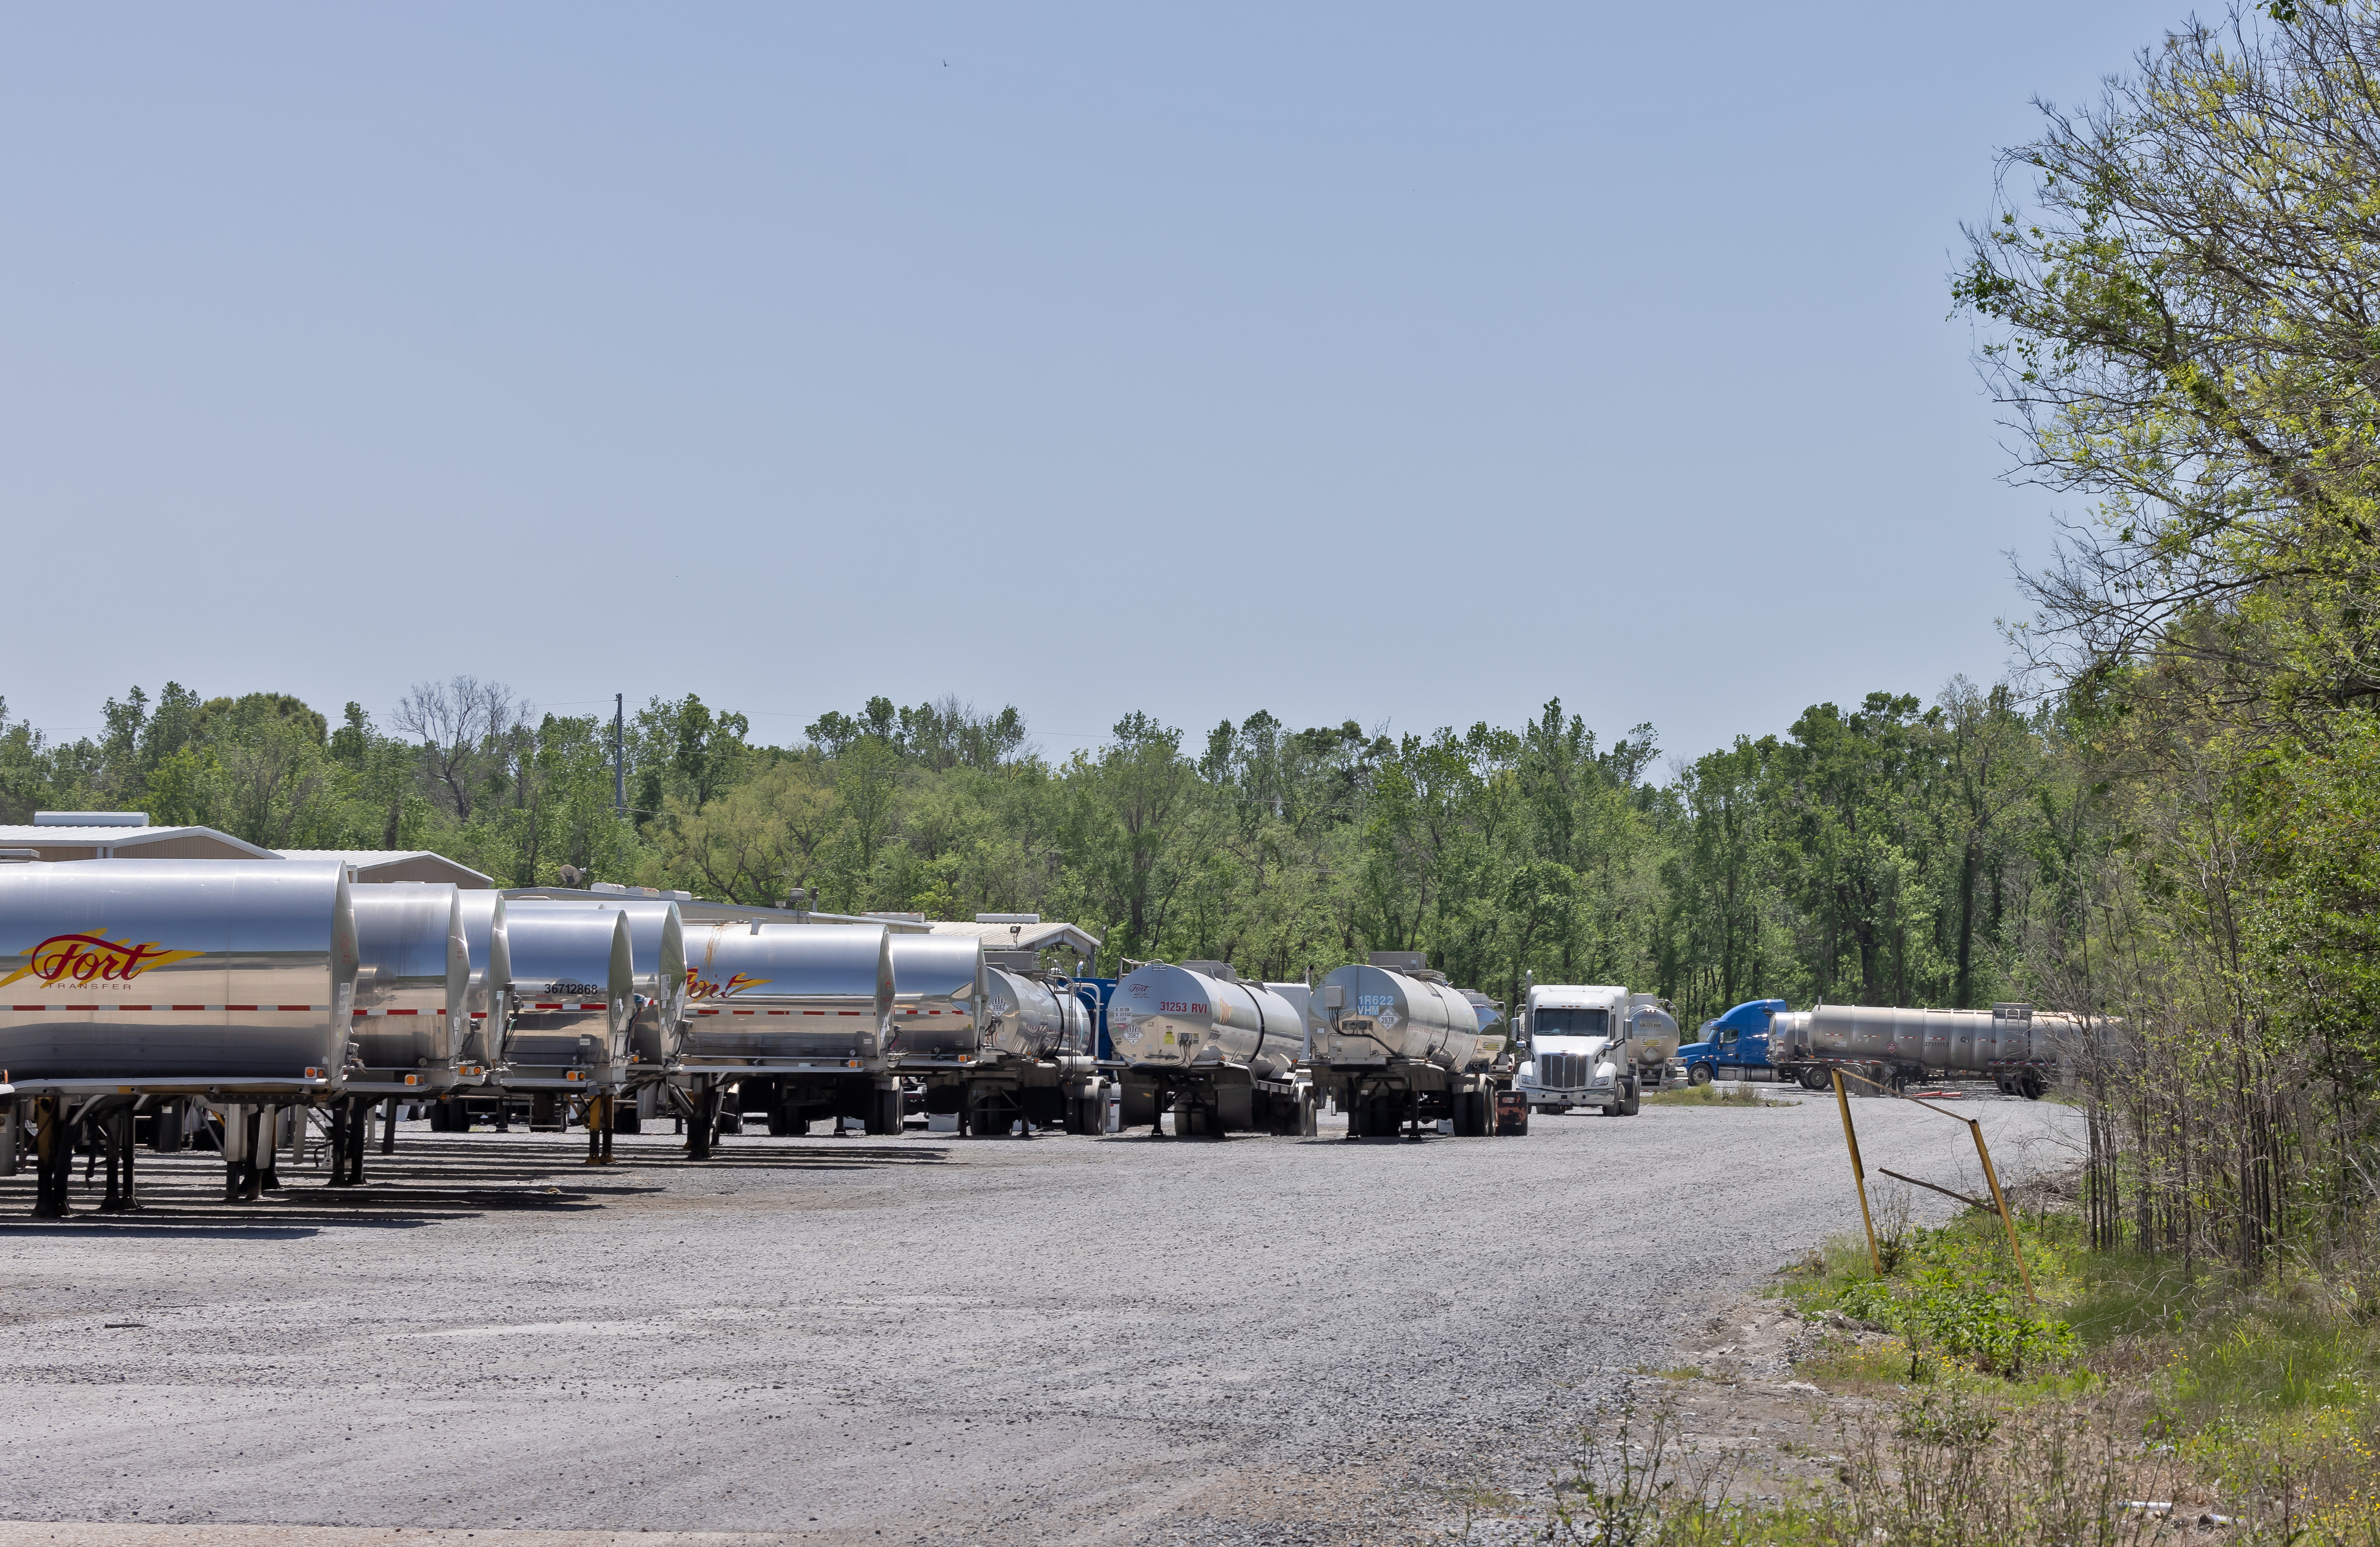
[(2034, 1086), (1630, 1100), (1699, 1075)]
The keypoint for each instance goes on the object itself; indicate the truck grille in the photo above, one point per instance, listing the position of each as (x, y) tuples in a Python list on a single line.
[(1562, 1071)]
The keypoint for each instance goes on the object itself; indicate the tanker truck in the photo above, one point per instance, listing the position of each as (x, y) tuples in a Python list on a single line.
[(1595, 1045), (1393, 1043), (1039, 1067), (412, 1013), (2021, 1051), (793, 1021), (145, 987), (574, 996), (1221, 1054)]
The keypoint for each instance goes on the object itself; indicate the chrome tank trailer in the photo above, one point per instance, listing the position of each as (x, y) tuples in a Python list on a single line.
[(1029, 1019), (939, 984), (574, 989), (2019, 1049), (1163, 1017), (413, 982), (767, 996), (177, 975), (489, 999), (656, 944), (1652, 1033), (1378, 1015), (1965, 1040)]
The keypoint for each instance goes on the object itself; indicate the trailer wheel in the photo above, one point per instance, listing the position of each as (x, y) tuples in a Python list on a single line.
[(2034, 1086), (1630, 1100), (1309, 1115), (1699, 1075), (886, 1113)]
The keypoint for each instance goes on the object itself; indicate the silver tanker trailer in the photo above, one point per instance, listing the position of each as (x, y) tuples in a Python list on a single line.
[(1223, 1054), (2022, 1052), (574, 993), (788, 1020), (412, 1014), (133, 986), (939, 984), (1038, 1066), (485, 932), (1395, 1044)]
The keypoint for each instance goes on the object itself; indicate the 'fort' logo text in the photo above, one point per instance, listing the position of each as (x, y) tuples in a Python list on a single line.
[(92, 958)]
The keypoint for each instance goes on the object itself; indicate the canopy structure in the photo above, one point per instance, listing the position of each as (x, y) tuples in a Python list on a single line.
[(1023, 932)]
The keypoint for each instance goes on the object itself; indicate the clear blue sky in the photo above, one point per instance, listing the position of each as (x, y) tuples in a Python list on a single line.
[(1407, 364)]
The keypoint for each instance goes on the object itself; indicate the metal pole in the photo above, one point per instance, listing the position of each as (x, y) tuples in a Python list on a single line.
[(619, 756), (1975, 1126), (1859, 1175)]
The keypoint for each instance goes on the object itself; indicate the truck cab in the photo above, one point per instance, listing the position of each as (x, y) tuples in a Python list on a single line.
[(1577, 1052), (1733, 1046)]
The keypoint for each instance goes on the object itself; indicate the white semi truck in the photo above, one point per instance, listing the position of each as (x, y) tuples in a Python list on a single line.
[(1593, 1044)]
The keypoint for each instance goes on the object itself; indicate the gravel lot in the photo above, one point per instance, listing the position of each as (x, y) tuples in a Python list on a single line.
[(921, 1340)]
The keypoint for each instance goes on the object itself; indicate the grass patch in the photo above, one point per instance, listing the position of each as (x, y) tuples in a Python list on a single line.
[(1710, 1095), (1671, 1373), (1997, 1419)]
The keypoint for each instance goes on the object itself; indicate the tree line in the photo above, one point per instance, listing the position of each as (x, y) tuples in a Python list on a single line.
[(1891, 853)]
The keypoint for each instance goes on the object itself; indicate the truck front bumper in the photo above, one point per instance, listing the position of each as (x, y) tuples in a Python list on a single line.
[(1583, 1095)]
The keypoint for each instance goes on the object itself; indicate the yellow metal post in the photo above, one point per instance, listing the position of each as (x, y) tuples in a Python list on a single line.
[(2000, 1199), (1859, 1176)]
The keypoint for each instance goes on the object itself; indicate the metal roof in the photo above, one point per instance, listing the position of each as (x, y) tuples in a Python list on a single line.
[(362, 860), (1029, 937), (702, 910), (47, 836)]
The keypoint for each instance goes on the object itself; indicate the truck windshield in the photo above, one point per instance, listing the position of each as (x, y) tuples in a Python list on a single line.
[(1547, 1021)]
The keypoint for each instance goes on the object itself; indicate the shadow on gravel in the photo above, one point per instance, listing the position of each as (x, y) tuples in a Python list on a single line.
[(187, 1232)]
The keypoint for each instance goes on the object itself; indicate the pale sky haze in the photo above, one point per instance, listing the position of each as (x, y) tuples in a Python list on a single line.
[(1402, 364)]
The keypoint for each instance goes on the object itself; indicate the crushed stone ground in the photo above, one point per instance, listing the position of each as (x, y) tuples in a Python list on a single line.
[(922, 1340)]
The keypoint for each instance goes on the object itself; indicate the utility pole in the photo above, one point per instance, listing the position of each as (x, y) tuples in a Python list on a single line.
[(619, 755)]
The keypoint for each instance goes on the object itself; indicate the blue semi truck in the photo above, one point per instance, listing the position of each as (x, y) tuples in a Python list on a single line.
[(1734, 1046)]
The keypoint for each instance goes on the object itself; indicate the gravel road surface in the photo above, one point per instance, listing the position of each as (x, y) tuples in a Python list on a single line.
[(915, 1340)]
